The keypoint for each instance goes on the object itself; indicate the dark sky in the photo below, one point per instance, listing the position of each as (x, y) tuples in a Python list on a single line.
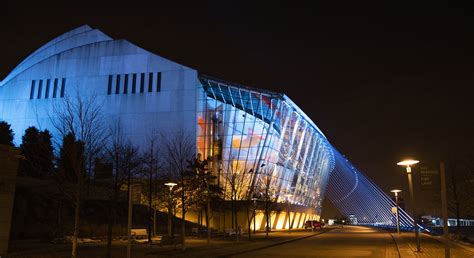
[(383, 81)]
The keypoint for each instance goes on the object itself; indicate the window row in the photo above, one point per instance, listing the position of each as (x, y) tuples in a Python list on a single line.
[(55, 86), (135, 82)]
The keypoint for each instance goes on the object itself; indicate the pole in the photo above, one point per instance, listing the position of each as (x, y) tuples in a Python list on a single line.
[(129, 226), (398, 214), (169, 213), (444, 207), (154, 221), (415, 220)]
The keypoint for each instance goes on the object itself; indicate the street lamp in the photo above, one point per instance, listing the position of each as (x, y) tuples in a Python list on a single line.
[(170, 185), (288, 202), (396, 191), (408, 163), (254, 199)]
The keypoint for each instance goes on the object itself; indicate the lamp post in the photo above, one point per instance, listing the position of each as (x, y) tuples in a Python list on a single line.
[(407, 164), (254, 222), (396, 191), (288, 202), (170, 185)]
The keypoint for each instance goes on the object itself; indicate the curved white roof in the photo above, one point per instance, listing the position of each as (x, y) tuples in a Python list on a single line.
[(80, 36)]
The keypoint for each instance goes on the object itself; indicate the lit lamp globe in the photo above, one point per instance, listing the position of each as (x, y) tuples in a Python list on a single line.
[(396, 191), (408, 163), (171, 185)]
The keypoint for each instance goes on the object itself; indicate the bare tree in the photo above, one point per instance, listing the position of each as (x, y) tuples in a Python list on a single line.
[(236, 188), (125, 160), (267, 191), (80, 117), (460, 189), (151, 167), (178, 154)]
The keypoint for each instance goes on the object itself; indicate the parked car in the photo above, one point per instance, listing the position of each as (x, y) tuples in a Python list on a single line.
[(313, 224)]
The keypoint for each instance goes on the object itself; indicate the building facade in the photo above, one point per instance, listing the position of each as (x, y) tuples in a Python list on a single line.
[(255, 141)]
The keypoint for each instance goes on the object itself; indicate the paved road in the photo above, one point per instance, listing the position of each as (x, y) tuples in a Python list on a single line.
[(349, 241)]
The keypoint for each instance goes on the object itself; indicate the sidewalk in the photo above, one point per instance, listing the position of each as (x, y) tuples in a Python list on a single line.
[(430, 246), (195, 247), (229, 247)]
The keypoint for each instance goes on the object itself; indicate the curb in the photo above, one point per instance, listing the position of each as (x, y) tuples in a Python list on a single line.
[(272, 245)]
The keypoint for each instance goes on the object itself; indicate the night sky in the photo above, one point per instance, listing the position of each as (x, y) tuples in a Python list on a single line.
[(383, 81)]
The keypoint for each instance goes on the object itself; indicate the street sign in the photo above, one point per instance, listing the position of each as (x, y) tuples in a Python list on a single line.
[(394, 210), (429, 177)]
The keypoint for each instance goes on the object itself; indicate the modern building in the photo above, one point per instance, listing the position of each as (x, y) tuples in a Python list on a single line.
[(254, 140)]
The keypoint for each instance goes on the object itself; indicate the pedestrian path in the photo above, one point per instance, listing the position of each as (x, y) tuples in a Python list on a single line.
[(430, 247)]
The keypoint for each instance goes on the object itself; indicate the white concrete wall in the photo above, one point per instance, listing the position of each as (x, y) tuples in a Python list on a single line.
[(87, 68)]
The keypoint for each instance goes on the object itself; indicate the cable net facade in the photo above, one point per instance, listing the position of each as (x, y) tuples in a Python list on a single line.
[(360, 199)]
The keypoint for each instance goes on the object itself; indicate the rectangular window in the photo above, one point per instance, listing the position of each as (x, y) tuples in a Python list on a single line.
[(142, 82), (32, 90), (46, 93), (134, 82), (150, 82), (125, 84), (55, 87), (40, 86), (117, 84), (109, 85), (63, 86), (158, 82)]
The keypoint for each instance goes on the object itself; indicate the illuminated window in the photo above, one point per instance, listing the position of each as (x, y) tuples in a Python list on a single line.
[(150, 82), (46, 93), (109, 85), (117, 84), (125, 84), (142, 82), (134, 82), (32, 90), (39, 89), (158, 82), (55, 87), (63, 86)]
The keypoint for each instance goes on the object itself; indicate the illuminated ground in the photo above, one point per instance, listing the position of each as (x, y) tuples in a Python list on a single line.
[(353, 241), (347, 241)]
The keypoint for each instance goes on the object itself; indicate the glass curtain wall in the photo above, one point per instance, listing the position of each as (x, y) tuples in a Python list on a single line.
[(257, 142)]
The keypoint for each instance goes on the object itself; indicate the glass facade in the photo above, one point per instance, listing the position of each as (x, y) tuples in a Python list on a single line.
[(255, 140)]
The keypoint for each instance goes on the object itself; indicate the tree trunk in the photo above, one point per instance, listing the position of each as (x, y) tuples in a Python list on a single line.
[(183, 222), (76, 221), (149, 207), (154, 221), (199, 222), (111, 222), (267, 217), (109, 234), (232, 212), (249, 222), (458, 218)]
